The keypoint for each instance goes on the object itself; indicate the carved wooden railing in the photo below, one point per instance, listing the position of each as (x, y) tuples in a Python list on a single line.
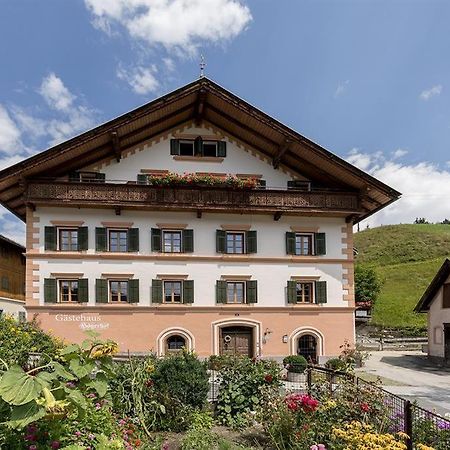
[(184, 197)]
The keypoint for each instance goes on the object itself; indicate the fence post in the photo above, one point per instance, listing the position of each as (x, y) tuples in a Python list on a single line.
[(309, 380), (408, 425)]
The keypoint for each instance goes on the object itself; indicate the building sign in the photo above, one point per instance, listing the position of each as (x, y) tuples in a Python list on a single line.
[(84, 321)]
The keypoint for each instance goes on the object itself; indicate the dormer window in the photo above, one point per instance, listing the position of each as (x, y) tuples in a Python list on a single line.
[(198, 147)]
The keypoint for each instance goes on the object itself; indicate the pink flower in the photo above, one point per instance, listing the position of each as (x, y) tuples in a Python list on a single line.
[(314, 447), (321, 447), (55, 445), (365, 407)]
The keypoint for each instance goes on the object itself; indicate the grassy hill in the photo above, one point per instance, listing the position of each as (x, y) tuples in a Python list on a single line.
[(406, 257)]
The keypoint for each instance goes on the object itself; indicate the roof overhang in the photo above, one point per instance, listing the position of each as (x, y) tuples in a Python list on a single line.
[(199, 101), (429, 295)]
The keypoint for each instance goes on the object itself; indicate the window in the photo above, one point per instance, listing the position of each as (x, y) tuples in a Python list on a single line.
[(186, 148), (172, 292), (118, 240), (172, 241), (235, 292), (304, 292), (118, 291), (235, 242), (210, 148), (87, 177), (303, 244), (68, 291), (22, 316), (5, 283), (68, 239), (175, 343), (446, 296)]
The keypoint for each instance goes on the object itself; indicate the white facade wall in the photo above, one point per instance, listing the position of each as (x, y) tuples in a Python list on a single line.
[(437, 316), (157, 156), (272, 276), (12, 307)]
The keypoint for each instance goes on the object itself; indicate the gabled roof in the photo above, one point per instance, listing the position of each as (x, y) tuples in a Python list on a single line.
[(433, 288), (11, 242), (201, 100)]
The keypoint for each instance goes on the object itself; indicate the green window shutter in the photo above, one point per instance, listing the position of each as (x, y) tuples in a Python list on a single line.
[(174, 147), (133, 291), (188, 241), (133, 240), (222, 149), (83, 241), (198, 146), (292, 292), (252, 245), (101, 177), (221, 241), (100, 239), (221, 291), (50, 294), (251, 288), (74, 176), (320, 244), (50, 238), (290, 243), (101, 290), (157, 291), (188, 291), (83, 290), (141, 178), (321, 291), (156, 240)]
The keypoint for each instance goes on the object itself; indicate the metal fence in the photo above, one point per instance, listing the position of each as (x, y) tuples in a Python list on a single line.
[(419, 424)]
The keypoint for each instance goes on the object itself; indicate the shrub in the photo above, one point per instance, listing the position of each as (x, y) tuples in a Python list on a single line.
[(295, 363), (19, 339), (242, 387), (336, 364)]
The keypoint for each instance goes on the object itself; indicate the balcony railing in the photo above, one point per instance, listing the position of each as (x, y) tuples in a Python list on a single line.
[(188, 197)]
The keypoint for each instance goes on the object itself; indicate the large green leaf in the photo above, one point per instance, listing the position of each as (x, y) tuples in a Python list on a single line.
[(81, 370), (72, 348), (18, 388), (100, 386), (45, 379), (23, 415), (62, 372), (77, 398)]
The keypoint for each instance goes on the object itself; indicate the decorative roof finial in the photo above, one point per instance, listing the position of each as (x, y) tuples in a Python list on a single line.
[(202, 66)]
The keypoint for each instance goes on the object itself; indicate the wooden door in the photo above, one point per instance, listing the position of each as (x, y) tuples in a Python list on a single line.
[(235, 341), (447, 341)]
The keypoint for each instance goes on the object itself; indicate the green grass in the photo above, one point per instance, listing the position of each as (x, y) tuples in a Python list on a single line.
[(406, 257)]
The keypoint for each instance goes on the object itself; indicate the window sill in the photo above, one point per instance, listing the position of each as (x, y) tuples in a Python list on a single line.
[(215, 159)]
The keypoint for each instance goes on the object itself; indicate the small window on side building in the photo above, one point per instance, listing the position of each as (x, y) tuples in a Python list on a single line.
[(446, 295)]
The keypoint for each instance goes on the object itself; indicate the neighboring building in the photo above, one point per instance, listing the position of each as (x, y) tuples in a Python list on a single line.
[(265, 270), (436, 303), (12, 278)]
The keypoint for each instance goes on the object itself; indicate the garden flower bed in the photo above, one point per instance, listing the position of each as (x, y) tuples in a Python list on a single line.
[(77, 398)]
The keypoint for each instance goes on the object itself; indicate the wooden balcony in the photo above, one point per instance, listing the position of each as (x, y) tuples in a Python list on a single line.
[(211, 199)]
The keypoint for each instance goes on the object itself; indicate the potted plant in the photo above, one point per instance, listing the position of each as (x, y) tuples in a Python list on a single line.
[(295, 365)]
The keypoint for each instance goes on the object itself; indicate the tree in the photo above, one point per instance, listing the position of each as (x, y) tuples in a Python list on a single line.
[(367, 285), (445, 222), (421, 220)]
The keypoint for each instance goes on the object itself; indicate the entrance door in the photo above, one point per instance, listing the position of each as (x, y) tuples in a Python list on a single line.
[(447, 341), (307, 347), (236, 341)]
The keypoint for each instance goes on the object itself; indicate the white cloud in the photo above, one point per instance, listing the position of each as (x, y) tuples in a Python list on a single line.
[(10, 141), (55, 93), (428, 93), (181, 24), (399, 153), (341, 88), (425, 188), (169, 64), (141, 79)]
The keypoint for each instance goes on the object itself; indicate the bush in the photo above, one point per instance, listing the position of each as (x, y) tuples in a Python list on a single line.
[(367, 285), (19, 339), (336, 364), (242, 387), (295, 363)]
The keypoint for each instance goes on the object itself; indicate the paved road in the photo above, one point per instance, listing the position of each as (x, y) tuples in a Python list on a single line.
[(421, 380)]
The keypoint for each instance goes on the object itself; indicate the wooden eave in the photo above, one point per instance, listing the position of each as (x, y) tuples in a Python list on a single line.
[(201, 100), (430, 294)]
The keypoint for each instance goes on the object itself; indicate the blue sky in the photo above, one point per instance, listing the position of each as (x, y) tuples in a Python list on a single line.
[(369, 80)]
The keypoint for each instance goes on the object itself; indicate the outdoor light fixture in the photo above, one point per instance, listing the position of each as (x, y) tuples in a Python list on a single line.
[(285, 339)]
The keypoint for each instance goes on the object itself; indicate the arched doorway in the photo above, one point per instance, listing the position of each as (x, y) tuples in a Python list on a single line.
[(236, 341), (307, 347), (175, 344)]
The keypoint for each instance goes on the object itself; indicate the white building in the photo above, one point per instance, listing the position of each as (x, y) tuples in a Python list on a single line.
[(260, 263)]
